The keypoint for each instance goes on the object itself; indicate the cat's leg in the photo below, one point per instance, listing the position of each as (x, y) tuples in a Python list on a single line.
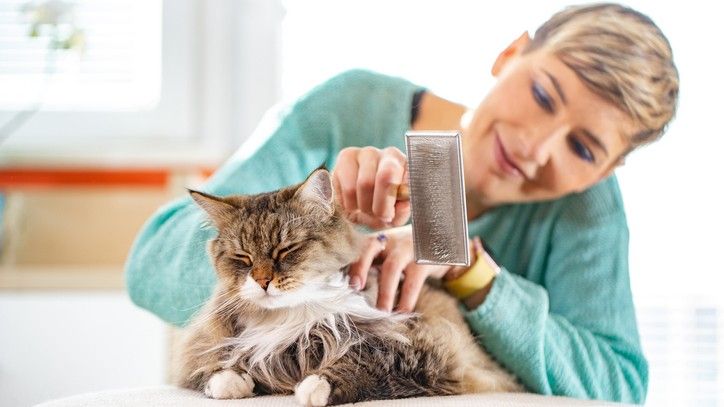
[(378, 373), (314, 390), (229, 384), (216, 380), (204, 364), (210, 373), (219, 381)]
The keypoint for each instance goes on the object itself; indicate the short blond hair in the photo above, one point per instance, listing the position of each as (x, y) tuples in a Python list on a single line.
[(621, 55)]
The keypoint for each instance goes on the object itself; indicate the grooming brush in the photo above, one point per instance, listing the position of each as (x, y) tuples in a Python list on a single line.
[(437, 198)]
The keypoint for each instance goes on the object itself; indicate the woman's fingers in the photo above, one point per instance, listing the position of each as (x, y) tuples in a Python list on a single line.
[(389, 177), (344, 177), (389, 278), (395, 248), (367, 162), (358, 270), (415, 277), (366, 181), (372, 222), (402, 208), (402, 213)]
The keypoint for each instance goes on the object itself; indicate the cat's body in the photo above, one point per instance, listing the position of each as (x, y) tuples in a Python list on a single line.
[(301, 330)]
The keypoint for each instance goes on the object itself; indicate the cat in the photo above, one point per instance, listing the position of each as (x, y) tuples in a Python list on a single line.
[(283, 320)]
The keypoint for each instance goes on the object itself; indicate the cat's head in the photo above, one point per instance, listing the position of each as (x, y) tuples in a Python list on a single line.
[(283, 248)]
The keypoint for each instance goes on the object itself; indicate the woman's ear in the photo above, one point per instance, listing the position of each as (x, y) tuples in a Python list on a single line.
[(514, 49)]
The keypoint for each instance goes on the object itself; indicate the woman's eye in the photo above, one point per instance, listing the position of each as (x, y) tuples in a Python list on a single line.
[(581, 150), (541, 97)]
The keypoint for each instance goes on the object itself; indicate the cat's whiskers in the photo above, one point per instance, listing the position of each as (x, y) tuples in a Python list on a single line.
[(334, 320), (226, 308)]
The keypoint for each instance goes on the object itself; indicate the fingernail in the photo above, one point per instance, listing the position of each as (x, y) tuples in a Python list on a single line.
[(478, 244), (384, 307), (354, 282)]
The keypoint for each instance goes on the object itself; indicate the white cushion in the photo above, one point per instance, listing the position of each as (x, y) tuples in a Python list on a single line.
[(173, 396)]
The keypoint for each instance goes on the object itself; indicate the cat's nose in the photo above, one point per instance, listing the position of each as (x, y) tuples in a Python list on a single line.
[(263, 282)]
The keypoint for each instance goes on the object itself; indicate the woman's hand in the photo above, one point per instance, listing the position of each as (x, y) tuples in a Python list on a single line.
[(394, 248), (367, 183)]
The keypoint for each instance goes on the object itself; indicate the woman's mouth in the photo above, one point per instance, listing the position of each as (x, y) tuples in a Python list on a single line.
[(504, 162)]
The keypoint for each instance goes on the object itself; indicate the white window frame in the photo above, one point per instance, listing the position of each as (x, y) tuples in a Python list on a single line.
[(219, 74)]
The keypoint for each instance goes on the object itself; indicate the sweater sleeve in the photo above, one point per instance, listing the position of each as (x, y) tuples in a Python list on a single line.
[(576, 334), (168, 271)]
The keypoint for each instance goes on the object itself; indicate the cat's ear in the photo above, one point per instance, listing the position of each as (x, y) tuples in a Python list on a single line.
[(317, 190), (217, 209)]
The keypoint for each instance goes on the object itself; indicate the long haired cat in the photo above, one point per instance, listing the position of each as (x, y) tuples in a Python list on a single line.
[(283, 320)]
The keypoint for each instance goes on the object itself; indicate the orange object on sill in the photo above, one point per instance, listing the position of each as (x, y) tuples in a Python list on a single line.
[(54, 177), (20, 177)]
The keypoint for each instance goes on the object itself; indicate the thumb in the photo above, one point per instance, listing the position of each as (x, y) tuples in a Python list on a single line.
[(402, 213)]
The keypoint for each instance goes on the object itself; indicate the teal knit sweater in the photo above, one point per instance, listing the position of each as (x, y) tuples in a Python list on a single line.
[(560, 314)]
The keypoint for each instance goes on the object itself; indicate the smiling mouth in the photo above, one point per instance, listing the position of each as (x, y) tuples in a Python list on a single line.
[(504, 162)]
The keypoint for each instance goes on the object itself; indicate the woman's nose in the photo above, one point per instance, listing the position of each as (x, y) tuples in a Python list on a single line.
[(543, 141), (540, 151)]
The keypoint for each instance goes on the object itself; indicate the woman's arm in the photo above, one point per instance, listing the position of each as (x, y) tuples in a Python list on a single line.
[(168, 271), (576, 336)]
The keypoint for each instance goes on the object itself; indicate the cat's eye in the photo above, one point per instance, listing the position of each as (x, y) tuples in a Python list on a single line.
[(281, 252), (242, 257)]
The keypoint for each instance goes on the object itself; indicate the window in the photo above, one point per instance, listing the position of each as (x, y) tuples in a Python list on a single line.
[(134, 80), (177, 81), (119, 68)]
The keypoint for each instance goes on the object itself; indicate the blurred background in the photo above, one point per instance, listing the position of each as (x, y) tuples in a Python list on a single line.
[(108, 109)]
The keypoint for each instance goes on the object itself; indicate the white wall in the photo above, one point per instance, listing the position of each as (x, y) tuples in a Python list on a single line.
[(58, 344)]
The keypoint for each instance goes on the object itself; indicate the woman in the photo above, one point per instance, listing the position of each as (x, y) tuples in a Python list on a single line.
[(555, 306)]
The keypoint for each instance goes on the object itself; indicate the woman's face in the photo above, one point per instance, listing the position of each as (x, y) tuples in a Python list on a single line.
[(540, 133)]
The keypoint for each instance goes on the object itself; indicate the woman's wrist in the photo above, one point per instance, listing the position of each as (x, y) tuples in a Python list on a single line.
[(473, 282), (453, 273), (479, 296), (457, 271)]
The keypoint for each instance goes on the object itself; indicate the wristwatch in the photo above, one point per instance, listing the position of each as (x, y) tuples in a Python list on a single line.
[(477, 276)]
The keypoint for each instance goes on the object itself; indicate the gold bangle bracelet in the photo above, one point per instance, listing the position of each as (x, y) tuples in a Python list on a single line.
[(478, 276)]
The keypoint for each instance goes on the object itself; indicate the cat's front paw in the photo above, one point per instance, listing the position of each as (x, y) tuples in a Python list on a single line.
[(313, 391), (227, 384)]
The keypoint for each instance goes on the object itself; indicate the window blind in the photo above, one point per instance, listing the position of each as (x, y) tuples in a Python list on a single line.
[(120, 68), (683, 344)]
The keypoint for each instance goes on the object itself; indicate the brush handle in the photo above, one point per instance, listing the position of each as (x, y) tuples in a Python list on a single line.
[(403, 192)]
